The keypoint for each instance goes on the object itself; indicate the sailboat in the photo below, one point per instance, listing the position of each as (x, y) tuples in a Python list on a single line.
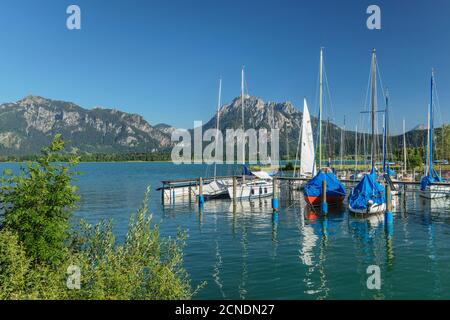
[(335, 193), (387, 171), (404, 176), (218, 188), (368, 196), (260, 187), (428, 188), (386, 165), (356, 175), (306, 141), (342, 173)]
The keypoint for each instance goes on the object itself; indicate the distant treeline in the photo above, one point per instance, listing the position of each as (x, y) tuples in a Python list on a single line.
[(96, 157)]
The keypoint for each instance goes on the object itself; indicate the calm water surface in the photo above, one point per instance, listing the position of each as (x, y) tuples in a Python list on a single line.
[(298, 255)]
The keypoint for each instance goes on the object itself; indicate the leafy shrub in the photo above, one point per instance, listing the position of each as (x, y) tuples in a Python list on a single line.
[(37, 246), (38, 203)]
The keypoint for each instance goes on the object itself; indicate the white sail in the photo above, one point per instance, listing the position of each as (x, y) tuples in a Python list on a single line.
[(307, 156)]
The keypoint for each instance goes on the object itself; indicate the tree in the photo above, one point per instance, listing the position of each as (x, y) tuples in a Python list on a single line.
[(415, 159), (37, 244), (38, 203), (143, 267)]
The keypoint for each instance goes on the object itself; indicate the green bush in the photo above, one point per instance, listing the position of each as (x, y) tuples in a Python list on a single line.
[(14, 266), (38, 204), (143, 267), (37, 245)]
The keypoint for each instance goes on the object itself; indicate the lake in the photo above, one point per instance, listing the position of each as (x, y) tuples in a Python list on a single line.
[(297, 255)]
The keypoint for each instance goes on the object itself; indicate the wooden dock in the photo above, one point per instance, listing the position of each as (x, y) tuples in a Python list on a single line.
[(173, 191), (189, 190)]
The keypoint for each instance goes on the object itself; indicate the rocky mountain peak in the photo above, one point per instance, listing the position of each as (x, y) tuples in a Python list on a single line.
[(33, 100), (31, 123), (420, 127)]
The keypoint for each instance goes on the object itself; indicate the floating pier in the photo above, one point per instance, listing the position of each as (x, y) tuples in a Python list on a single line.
[(190, 190), (173, 191)]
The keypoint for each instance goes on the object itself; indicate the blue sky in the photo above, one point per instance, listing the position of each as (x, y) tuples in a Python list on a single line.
[(162, 59)]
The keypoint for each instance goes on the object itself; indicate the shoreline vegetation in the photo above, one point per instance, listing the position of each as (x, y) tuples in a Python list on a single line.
[(95, 157), (415, 157), (43, 257)]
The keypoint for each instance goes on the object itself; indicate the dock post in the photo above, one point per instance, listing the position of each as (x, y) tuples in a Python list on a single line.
[(163, 192), (173, 195), (274, 195), (190, 192), (275, 218), (404, 197), (324, 204), (291, 190), (388, 213), (201, 198), (234, 193)]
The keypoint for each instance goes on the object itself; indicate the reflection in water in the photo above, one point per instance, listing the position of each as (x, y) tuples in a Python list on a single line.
[(308, 241), (365, 230), (244, 274), (434, 269), (218, 264), (434, 212), (314, 226), (430, 227), (373, 239), (295, 258), (200, 216), (306, 251), (323, 289), (275, 221), (390, 255)]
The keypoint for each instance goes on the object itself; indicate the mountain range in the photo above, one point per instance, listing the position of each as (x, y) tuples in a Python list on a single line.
[(30, 123)]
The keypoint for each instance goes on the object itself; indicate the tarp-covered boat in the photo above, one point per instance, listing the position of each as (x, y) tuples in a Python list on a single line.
[(368, 196), (335, 189)]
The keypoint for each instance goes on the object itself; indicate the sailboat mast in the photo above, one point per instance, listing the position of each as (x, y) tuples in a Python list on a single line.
[(384, 143), (356, 151), (404, 146), (342, 145), (388, 131), (320, 106), (242, 108), (243, 125), (427, 160), (430, 127), (364, 147), (217, 124), (386, 134), (373, 102)]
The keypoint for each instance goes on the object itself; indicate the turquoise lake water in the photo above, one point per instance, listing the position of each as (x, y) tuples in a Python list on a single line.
[(300, 255)]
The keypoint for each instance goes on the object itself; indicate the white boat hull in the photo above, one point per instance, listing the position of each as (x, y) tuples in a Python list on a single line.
[(171, 194), (396, 192), (435, 192), (373, 209), (252, 190), (216, 189)]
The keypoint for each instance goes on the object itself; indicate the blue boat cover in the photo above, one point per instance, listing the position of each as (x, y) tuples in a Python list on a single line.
[(390, 172), (429, 179), (313, 188), (246, 171), (367, 189)]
